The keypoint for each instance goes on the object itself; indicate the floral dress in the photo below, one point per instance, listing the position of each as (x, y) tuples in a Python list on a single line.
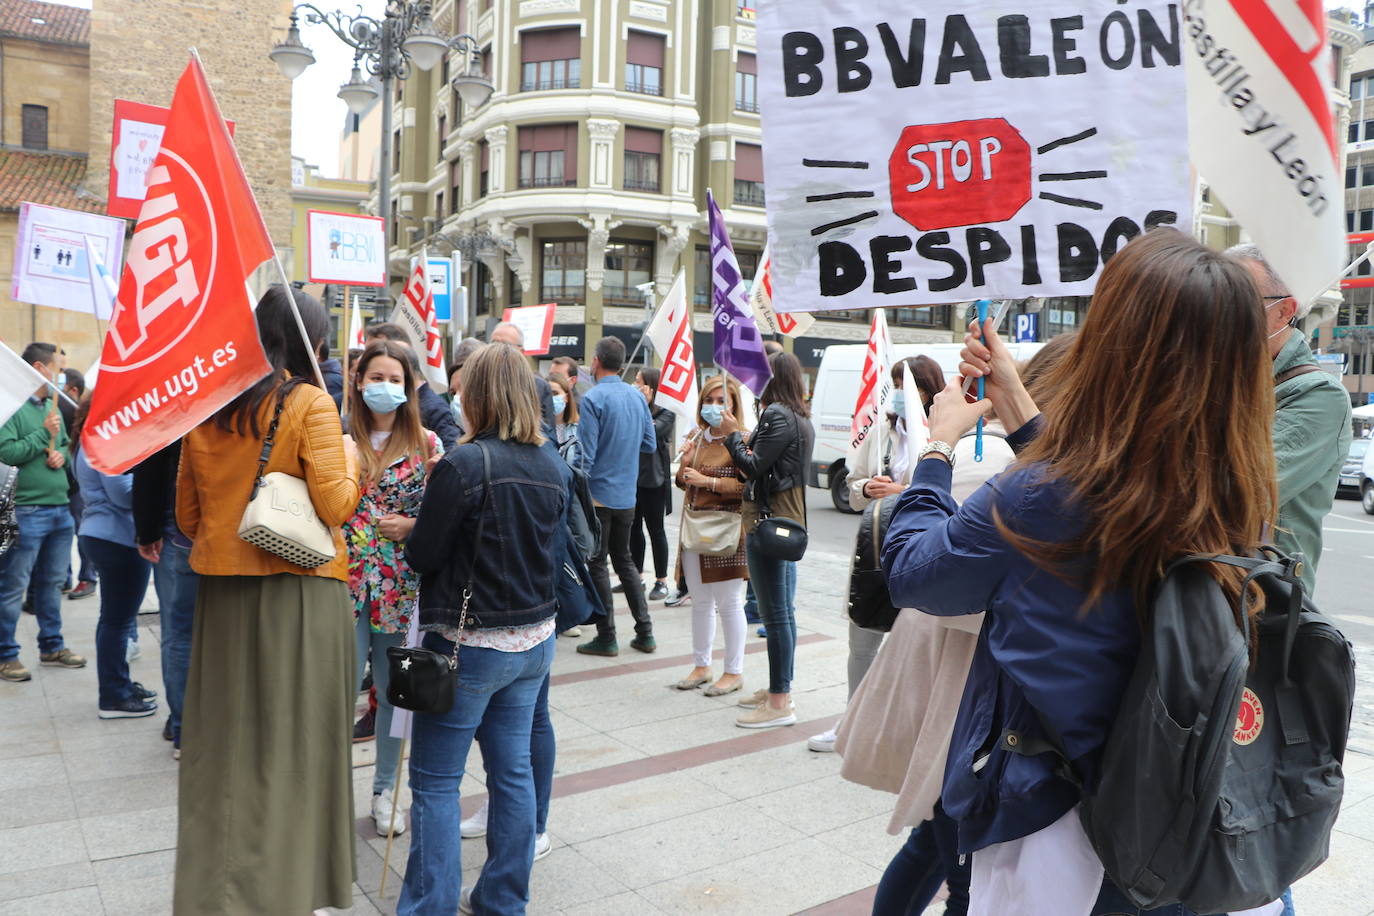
[(382, 584)]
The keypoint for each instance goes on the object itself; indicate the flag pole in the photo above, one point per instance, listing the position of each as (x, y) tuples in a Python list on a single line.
[(1368, 253), (347, 347)]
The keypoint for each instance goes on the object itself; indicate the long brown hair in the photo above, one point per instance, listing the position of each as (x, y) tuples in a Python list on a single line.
[(571, 412), (408, 436), (1159, 418), (786, 386), (499, 396)]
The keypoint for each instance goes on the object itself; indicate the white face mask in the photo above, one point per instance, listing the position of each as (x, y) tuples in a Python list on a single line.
[(1286, 327)]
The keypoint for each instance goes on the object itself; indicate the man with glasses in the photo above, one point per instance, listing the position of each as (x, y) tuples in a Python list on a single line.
[(1312, 424)]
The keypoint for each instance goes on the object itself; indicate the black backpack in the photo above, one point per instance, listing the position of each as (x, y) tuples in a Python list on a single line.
[(1221, 781)]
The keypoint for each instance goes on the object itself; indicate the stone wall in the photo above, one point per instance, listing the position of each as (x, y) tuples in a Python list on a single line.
[(139, 49), (51, 75)]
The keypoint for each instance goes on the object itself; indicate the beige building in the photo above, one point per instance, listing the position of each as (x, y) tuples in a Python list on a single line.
[(587, 170)]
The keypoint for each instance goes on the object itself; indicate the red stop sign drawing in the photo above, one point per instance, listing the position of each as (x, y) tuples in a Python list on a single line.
[(960, 174)]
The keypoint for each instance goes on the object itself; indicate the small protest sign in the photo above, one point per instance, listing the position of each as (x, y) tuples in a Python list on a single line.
[(536, 326), (134, 143), (346, 248), (981, 151), (50, 263)]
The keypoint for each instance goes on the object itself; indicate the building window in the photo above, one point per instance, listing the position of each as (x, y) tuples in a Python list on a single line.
[(396, 151), (748, 266), (747, 83), (933, 316), (395, 223), (564, 271), (628, 265), (548, 156), (701, 278), (1369, 130), (1356, 87), (749, 174), (439, 206), (34, 122), (643, 152), (482, 175), (1352, 133), (644, 64), (1350, 177), (443, 133), (1367, 176), (1366, 222), (550, 59), (455, 169)]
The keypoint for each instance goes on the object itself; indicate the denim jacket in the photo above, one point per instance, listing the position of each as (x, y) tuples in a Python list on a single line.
[(516, 564), (1039, 658)]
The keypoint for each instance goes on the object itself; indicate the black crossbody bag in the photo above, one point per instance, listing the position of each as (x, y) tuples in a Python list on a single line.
[(423, 680), (778, 538)]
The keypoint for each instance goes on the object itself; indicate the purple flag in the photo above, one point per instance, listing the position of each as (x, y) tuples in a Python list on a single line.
[(738, 343)]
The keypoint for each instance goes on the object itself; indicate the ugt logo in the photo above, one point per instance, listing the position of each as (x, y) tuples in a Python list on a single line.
[(171, 261)]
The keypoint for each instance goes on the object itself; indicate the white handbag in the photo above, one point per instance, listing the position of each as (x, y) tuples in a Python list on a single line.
[(280, 517)]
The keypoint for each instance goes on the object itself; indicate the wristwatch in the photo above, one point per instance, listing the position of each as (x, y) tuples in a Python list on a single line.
[(944, 448)]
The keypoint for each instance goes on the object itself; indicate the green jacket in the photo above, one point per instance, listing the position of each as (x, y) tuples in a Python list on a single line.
[(1311, 438), (24, 444)]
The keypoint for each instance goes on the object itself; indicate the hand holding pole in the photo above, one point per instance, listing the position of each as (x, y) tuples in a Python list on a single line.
[(982, 306)]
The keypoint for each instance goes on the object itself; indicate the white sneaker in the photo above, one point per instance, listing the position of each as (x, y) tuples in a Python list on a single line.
[(572, 631), (824, 743), (542, 846), (474, 826), (381, 814), (465, 901), (131, 651)]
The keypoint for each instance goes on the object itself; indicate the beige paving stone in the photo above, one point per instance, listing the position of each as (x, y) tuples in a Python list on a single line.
[(751, 775), (615, 809), (130, 833), (41, 805), (822, 804), (32, 772), (46, 879), (39, 846), (627, 904), (80, 901)]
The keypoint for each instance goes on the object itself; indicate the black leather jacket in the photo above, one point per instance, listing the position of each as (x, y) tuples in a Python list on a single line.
[(656, 467), (778, 451)]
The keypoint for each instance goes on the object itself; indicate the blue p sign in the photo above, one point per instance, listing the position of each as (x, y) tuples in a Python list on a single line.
[(1027, 328)]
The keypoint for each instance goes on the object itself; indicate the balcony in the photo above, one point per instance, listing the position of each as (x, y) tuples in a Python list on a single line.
[(548, 85), (642, 184), (562, 293), (552, 181), (644, 88), (749, 105), (749, 193)]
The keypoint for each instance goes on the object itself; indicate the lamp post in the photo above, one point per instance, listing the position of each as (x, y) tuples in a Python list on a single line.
[(469, 244), (404, 36)]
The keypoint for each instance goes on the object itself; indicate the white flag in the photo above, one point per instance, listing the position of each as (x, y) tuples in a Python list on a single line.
[(670, 334), (414, 312), (355, 330), (771, 321), (18, 382), (104, 291), (869, 427), (917, 426), (1261, 133)]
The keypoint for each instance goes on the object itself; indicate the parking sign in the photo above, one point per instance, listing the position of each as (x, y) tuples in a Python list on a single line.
[(1027, 328)]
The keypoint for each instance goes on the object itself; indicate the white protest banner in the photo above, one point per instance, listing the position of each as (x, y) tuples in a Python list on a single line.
[(866, 434), (414, 312), (670, 334), (18, 382), (987, 150), (50, 256), (346, 248), (770, 321), (536, 326), (1261, 130)]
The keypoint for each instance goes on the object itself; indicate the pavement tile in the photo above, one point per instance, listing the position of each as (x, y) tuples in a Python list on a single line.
[(118, 794), (32, 772), (751, 775), (38, 846), (1344, 884), (590, 815), (566, 878), (130, 833), (80, 901), (26, 737), (143, 865), (146, 895), (867, 841), (591, 752), (823, 804), (20, 807), (627, 904), (121, 760), (362, 906), (779, 881), (661, 851), (46, 879)]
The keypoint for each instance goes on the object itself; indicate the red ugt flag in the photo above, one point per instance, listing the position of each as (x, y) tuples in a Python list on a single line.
[(182, 341)]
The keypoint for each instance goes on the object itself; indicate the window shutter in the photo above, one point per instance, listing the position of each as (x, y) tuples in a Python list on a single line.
[(645, 49), (640, 140), (748, 162), (747, 63), (550, 44)]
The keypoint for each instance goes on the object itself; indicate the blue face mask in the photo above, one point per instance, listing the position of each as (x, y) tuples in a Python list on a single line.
[(456, 405), (899, 402), (384, 397), (712, 413), (560, 403)]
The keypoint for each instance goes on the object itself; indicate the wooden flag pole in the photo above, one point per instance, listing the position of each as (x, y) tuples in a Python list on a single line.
[(391, 830), (347, 348)]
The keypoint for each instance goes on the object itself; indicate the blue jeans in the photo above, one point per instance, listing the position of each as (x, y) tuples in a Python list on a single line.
[(543, 751), (388, 748), (42, 552), (496, 696), (123, 583), (1112, 902), (176, 584), (929, 858), (770, 581)]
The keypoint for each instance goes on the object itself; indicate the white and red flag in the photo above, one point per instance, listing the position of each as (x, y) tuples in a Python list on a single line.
[(868, 430), (182, 341), (670, 334), (414, 312), (355, 330), (770, 320), (1261, 131)]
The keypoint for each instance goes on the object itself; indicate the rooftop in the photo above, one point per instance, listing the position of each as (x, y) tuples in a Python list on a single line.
[(48, 22), (44, 178)]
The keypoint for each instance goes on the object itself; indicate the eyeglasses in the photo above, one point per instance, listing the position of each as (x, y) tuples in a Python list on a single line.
[(1277, 298)]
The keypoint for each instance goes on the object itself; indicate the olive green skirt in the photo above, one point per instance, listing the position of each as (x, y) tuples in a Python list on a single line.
[(265, 806)]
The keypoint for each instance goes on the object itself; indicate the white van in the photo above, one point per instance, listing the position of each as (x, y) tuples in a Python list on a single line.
[(837, 388)]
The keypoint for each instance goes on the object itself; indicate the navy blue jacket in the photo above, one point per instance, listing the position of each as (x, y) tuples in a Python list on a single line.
[(1039, 657), (437, 416), (517, 562), (332, 370)]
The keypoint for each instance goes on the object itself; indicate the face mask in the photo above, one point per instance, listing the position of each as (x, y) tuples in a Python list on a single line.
[(456, 405), (1280, 330), (61, 380), (899, 402), (712, 413), (560, 403), (384, 397)]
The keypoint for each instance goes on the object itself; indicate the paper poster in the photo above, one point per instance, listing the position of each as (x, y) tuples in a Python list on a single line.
[(535, 323), (1001, 150), (136, 138), (346, 248), (50, 264)]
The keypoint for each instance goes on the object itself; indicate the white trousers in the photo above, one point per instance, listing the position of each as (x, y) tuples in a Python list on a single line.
[(711, 598)]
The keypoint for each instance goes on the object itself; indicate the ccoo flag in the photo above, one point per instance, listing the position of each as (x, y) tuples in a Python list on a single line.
[(182, 342), (1261, 131), (738, 343), (670, 333), (415, 314)]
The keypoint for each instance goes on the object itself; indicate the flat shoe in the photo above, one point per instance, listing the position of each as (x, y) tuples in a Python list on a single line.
[(714, 691), (692, 683)]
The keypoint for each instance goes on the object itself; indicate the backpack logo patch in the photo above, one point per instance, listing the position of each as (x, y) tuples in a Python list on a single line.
[(1250, 719)]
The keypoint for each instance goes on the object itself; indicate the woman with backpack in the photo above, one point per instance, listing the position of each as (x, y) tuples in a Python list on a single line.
[(394, 450), (774, 462), (712, 541), (1124, 472)]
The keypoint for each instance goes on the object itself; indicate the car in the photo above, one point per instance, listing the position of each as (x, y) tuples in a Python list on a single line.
[(1348, 484), (1366, 479)]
